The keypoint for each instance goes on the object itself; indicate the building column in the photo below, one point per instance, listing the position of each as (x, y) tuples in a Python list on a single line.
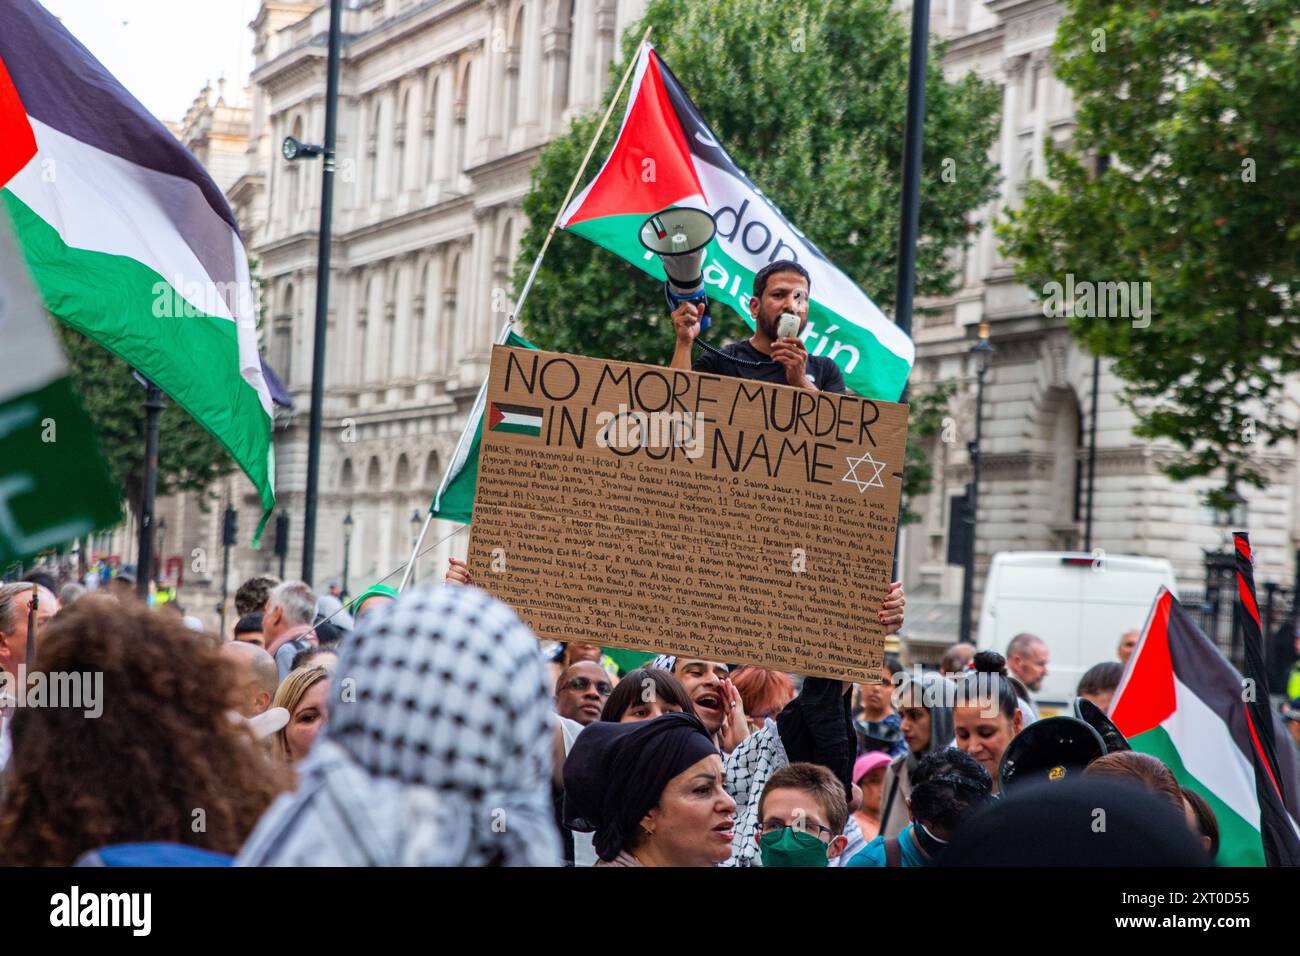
[(555, 75), (480, 311), (494, 64)]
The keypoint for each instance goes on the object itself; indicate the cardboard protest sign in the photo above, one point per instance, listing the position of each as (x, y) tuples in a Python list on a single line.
[(713, 517)]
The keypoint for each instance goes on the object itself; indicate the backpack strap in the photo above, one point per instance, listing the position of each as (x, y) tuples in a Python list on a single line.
[(889, 800), (893, 852)]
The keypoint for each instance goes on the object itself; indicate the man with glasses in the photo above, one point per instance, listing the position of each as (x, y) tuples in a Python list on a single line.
[(802, 814), (581, 692)]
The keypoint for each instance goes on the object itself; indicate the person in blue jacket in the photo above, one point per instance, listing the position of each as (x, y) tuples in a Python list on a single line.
[(947, 787)]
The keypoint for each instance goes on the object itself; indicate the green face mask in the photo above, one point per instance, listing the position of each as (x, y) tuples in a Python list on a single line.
[(788, 847)]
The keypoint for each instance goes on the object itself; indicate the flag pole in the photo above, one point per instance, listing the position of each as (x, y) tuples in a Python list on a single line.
[(910, 213), (504, 335), (1281, 846), (317, 413)]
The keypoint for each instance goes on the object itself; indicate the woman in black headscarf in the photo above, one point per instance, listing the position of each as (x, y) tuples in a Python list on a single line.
[(652, 792)]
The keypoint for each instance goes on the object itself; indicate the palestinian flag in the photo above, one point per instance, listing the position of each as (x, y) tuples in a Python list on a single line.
[(454, 500), (515, 419), (1181, 700), (129, 240), (666, 155), (54, 486)]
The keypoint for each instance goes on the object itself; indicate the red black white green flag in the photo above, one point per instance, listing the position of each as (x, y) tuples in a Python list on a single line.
[(1181, 700), (128, 239), (666, 155)]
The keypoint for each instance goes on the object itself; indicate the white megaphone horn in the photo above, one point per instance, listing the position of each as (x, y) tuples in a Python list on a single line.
[(680, 237)]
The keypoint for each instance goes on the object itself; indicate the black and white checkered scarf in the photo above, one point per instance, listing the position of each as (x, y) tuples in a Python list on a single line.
[(438, 749)]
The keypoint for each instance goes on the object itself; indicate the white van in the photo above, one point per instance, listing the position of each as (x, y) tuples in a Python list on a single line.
[(1077, 603)]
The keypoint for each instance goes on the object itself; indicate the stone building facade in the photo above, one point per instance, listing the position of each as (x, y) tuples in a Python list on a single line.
[(1039, 385), (444, 106)]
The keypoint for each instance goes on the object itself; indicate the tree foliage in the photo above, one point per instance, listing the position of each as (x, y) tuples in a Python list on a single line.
[(1196, 108), (189, 459), (926, 419), (809, 97)]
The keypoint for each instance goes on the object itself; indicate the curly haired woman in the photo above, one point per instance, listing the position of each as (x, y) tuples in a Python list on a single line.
[(163, 755)]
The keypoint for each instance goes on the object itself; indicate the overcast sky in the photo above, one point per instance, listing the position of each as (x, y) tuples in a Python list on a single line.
[(163, 51)]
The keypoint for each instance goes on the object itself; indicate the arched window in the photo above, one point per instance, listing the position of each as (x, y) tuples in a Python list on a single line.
[(562, 95), (1067, 443), (293, 180), (402, 474), (399, 144), (430, 131), (419, 321), (462, 122), (514, 62), (347, 480), (432, 470), (363, 332), (388, 341), (450, 297), (501, 268), (372, 148), (374, 478), (282, 352)]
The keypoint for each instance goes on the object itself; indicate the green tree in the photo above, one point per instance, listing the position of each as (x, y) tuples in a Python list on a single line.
[(1195, 109), (189, 459), (809, 97)]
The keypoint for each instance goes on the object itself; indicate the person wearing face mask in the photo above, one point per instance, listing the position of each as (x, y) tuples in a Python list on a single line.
[(651, 793), (924, 707), (947, 788), (987, 716), (802, 814)]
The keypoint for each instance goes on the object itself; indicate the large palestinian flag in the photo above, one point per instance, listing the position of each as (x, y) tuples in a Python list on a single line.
[(666, 155), (1181, 700), (128, 238)]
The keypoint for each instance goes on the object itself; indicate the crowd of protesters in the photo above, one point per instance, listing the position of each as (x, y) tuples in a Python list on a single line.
[(433, 728)]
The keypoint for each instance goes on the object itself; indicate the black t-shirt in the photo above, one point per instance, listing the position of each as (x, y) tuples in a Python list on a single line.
[(821, 371)]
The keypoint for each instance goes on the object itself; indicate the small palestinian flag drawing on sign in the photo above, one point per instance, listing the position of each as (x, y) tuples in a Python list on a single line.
[(517, 419)]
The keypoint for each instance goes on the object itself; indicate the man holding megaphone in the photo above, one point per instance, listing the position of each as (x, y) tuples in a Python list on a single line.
[(775, 353)]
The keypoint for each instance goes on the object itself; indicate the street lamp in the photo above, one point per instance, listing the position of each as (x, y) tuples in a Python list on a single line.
[(983, 352), (292, 149), (347, 547)]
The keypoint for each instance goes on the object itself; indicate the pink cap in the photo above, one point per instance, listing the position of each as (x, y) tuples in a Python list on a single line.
[(868, 762)]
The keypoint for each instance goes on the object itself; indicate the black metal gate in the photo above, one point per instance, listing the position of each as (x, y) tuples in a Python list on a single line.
[(1214, 610)]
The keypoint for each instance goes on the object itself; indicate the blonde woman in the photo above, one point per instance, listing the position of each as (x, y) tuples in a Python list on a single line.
[(304, 693)]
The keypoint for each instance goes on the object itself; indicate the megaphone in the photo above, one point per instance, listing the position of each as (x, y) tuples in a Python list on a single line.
[(1051, 749), (679, 236), (1095, 717)]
